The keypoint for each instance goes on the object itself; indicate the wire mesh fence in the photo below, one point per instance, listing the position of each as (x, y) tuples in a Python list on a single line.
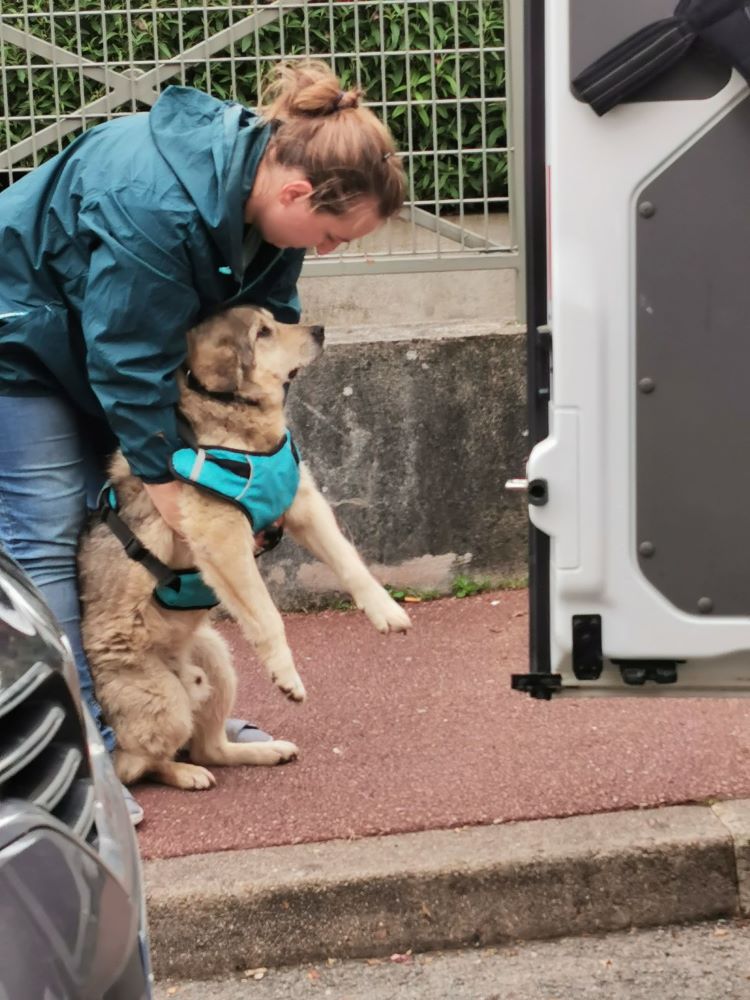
[(439, 72)]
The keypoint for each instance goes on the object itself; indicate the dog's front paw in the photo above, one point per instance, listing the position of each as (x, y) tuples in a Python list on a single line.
[(384, 613), (279, 751), (285, 677), (295, 691)]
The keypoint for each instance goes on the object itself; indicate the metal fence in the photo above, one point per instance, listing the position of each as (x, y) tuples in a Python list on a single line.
[(443, 74)]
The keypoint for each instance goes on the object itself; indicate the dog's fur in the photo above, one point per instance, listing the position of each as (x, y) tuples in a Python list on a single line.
[(165, 678)]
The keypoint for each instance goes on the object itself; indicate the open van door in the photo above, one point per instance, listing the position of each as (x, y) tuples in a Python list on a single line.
[(638, 306)]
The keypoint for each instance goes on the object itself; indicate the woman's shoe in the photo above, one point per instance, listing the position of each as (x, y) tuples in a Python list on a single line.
[(135, 811), (240, 731)]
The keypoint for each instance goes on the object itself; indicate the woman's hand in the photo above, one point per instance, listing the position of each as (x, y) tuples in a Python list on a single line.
[(166, 498)]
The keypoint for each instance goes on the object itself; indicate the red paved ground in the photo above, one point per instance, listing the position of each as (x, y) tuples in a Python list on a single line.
[(422, 731)]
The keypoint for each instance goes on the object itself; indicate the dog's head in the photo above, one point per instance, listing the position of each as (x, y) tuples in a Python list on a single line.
[(246, 352)]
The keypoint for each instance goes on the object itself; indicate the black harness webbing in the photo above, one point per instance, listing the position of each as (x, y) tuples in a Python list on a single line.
[(134, 548), (176, 589), (217, 395)]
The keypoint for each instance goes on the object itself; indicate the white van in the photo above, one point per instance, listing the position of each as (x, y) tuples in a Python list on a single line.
[(638, 222)]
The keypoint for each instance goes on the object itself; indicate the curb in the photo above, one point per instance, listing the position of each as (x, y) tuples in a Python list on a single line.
[(213, 914)]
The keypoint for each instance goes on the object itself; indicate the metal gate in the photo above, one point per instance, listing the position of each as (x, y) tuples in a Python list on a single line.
[(441, 73)]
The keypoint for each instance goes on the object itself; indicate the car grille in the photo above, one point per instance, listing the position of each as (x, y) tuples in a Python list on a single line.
[(43, 755)]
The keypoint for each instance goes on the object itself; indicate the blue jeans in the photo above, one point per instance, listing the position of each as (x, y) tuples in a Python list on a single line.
[(49, 475)]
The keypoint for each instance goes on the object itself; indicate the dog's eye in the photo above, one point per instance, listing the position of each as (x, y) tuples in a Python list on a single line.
[(293, 373), (265, 331)]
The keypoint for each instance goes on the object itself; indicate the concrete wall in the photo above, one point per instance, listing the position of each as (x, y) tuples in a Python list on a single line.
[(411, 438), (440, 297)]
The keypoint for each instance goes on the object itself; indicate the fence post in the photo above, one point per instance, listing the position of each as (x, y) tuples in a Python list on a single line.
[(514, 46)]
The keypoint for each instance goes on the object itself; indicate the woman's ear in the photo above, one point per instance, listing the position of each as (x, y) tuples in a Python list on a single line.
[(294, 190)]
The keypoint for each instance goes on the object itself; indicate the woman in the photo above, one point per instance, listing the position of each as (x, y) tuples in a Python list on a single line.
[(114, 248)]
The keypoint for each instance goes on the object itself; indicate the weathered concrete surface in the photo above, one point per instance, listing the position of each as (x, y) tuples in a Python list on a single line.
[(696, 962), (440, 296), (416, 296), (735, 814), (212, 914), (411, 438)]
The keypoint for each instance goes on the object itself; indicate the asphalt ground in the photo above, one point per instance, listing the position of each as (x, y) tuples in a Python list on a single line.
[(703, 962), (423, 732)]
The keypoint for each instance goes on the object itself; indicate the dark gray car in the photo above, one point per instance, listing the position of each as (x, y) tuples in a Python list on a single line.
[(72, 912)]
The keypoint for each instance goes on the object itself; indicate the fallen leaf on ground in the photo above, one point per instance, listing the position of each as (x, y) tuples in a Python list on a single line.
[(255, 973)]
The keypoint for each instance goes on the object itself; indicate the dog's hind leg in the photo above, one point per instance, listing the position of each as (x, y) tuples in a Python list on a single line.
[(191, 777), (152, 716), (209, 744), (132, 766)]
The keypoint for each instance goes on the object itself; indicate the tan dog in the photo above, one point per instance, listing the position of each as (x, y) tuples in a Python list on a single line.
[(165, 678)]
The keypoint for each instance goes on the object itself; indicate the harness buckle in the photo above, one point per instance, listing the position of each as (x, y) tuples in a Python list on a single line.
[(173, 580), (135, 550), (269, 539)]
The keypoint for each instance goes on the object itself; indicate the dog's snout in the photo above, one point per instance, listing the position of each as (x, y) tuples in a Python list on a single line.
[(318, 334)]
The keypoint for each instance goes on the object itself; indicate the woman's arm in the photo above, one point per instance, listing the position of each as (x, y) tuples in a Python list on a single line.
[(139, 303)]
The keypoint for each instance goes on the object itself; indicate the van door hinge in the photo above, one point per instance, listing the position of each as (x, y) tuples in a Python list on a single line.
[(587, 647)]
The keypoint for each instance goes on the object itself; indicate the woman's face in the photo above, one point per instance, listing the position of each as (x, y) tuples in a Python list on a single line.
[(288, 220)]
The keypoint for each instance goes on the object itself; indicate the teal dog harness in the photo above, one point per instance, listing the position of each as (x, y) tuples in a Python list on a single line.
[(262, 484), (176, 589)]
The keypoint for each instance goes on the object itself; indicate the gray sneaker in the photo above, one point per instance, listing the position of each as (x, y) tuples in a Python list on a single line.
[(134, 810)]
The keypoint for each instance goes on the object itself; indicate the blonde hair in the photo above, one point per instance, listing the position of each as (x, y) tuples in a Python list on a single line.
[(343, 149)]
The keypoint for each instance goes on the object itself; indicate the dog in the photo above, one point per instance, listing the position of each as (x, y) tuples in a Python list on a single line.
[(164, 677)]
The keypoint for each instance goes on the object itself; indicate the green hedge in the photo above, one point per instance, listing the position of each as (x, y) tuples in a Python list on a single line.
[(453, 29)]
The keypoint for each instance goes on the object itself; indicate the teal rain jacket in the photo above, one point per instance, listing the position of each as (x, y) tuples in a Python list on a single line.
[(113, 249)]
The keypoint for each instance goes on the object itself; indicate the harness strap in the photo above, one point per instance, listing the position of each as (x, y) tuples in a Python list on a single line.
[(134, 548), (185, 430), (176, 589), (216, 394)]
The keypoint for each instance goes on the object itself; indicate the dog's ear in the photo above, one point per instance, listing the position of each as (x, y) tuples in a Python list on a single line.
[(252, 317), (220, 350)]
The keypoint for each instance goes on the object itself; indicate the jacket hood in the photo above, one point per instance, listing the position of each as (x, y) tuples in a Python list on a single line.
[(213, 147)]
